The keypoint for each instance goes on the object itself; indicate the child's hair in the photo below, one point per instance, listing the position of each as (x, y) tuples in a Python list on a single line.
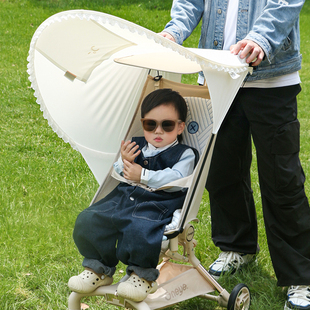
[(164, 96)]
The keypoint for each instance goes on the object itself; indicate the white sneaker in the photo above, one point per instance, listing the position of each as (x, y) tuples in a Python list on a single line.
[(298, 298), (88, 281), (229, 262)]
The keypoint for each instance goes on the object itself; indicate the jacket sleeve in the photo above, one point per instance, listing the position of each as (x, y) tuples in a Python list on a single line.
[(272, 28), (185, 16)]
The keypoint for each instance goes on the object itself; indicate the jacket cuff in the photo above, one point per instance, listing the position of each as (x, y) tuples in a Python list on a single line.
[(176, 33), (144, 178), (262, 42)]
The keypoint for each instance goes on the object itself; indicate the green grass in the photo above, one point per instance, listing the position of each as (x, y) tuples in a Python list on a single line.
[(44, 184)]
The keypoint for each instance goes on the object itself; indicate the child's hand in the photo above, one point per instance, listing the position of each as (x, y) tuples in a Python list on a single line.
[(129, 151), (132, 171)]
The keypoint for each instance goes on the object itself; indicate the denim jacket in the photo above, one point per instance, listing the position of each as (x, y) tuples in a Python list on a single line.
[(272, 24)]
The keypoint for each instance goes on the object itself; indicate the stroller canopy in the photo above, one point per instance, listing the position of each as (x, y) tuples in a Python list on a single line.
[(88, 70)]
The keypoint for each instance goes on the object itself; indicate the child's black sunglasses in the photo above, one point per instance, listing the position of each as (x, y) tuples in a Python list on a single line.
[(167, 125)]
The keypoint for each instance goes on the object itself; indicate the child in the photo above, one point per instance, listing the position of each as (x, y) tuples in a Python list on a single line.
[(128, 224)]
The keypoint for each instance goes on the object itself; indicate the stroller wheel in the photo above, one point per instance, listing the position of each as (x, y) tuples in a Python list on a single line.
[(239, 298)]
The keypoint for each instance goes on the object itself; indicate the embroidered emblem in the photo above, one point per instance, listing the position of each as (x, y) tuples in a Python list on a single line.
[(93, 50)]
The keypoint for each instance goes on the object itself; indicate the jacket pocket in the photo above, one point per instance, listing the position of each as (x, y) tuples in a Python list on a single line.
[(287, 44), (286, 139)]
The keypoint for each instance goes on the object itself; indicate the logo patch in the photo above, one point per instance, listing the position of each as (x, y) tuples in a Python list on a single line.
[(192, 127)]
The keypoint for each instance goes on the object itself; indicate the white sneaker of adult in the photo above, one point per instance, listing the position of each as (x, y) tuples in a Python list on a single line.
[(229, 262), (298, 298)]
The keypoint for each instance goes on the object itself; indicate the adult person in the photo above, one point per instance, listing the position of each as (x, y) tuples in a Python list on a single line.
[(266, 34)]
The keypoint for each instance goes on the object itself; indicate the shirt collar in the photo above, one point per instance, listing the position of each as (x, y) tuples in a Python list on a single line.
[(151, 147)]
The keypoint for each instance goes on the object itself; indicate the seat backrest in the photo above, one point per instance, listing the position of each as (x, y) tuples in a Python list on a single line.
[(198, 123)]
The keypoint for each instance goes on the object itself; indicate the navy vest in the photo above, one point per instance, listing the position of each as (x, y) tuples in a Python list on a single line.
[(165, 159)]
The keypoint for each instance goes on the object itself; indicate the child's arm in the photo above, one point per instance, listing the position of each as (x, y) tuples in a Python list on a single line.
[(129, 151), (183, 168), (132, 171)]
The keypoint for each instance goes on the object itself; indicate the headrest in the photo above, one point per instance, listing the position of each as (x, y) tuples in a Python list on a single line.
[(199, 123)]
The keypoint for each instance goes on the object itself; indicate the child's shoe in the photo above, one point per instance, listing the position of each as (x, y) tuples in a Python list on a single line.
[(88, 281), (136, 288)]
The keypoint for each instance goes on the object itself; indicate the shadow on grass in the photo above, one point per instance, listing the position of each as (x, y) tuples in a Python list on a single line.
[(265, 294)]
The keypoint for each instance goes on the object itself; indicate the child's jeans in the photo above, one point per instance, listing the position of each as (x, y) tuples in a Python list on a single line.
[(127, 225)]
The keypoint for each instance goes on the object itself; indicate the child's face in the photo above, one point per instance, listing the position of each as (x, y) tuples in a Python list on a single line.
[(159, 137)]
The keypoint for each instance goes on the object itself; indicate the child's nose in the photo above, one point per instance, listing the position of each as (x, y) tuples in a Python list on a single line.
[(159, 129)]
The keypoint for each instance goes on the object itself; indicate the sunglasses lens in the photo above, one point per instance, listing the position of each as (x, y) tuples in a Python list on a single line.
[(149, 125), (168, 126)]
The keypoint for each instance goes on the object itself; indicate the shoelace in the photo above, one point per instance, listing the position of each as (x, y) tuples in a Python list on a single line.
[(230, 258), (301, 292)]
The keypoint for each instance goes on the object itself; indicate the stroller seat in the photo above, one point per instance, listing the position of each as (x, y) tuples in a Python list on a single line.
[(177, 282)]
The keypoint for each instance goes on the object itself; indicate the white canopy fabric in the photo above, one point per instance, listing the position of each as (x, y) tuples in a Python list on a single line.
[(88, 70)]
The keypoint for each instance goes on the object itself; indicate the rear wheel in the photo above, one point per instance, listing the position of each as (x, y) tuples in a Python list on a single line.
[(240, 298)]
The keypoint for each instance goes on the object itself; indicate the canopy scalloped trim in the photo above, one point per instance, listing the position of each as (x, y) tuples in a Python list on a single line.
[(43, 108)]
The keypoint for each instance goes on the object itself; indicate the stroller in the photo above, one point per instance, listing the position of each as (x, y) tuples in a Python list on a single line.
[(90, 72)]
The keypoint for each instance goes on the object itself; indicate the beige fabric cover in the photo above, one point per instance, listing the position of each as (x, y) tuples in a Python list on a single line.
[(89, 99)]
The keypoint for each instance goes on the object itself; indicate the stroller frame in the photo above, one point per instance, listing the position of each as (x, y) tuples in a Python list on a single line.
[(169, 290), (239, 298), (87, 70)]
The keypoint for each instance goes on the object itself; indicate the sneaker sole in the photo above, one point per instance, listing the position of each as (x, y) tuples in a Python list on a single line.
[(296, 307)]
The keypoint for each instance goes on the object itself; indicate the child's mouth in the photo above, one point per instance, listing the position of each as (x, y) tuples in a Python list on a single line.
[(158, 139)]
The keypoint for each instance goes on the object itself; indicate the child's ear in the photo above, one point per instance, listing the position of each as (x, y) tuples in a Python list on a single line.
[(181, 127)]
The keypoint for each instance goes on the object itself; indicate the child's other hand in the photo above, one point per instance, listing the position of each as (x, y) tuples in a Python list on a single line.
[(129, 151), (132, 171)]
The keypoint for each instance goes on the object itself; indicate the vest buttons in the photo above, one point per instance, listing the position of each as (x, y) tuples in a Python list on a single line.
[(219, 11), (131, 198), (145, 162), (215, 43)]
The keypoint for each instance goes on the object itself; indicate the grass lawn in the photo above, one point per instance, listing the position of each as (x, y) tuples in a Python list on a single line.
[(44, 184)]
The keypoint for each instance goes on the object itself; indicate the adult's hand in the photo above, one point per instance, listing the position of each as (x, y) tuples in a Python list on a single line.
[(167, 36), (250, 50)]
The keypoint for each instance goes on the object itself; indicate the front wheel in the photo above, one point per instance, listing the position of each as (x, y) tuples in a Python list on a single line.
[(240, 298)]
